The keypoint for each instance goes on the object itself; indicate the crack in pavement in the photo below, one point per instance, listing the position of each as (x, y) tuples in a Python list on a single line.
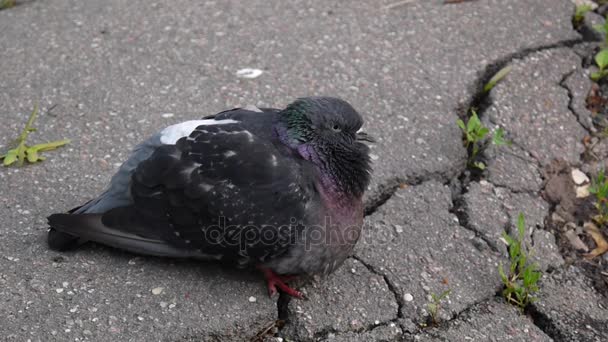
[(480, 98), (391, 286), (562, 84)]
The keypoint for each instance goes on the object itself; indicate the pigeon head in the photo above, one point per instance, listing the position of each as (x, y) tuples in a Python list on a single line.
[(326, 132)]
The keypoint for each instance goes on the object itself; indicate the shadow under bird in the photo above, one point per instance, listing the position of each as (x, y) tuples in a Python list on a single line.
[(280, 190)]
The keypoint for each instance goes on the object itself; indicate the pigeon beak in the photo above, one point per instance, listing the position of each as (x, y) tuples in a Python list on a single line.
[(361, 136)]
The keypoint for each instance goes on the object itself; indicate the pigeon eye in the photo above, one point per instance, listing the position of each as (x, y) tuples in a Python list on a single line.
[(336, 128)]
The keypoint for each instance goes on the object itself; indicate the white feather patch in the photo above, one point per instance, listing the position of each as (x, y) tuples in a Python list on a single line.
[(171, 134)]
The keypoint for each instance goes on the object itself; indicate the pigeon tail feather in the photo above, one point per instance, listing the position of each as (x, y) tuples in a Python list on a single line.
[(90, 227)]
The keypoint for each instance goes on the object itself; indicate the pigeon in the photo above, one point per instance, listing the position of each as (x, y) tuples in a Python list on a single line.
[(276, 189)]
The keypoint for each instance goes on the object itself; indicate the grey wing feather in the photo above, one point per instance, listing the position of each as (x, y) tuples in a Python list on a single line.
[(117, 194)]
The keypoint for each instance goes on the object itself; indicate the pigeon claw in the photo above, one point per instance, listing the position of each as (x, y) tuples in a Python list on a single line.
[(276, 282)]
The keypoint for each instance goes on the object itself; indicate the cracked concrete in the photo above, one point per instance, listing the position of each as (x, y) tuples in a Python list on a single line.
[(419, 262), (112, 69), (351, 299), (491, 320), (569, 308), (531, 104)]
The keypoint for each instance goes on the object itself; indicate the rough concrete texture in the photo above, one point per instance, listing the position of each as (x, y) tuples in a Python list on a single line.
[(352, 299), (588, 25), (533, 106), (118, 71), (569, 308), (490, 211), (578, 84), (416, 242), (103, 295), (491, 320), (502, 163), (390, 332)]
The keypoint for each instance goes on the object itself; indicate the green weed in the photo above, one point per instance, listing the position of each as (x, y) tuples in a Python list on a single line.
[(435, 305), (521, 281), (4, 4), (496, 78), (579, 14), (603, 29), (599, 188), (22, 152), (601, 59), (475, 137)]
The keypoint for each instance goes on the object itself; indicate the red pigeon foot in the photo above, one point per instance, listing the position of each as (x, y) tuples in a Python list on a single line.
[(275, 280)]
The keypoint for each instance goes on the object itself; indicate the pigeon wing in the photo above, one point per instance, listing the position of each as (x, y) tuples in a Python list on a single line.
[(222, 191)]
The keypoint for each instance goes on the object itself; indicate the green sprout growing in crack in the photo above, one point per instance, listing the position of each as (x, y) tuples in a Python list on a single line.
[(579, 14), (599, 188), (4, 4), (475, 134), (435, 305), (521, 278), (502, 73), (601, 59), (603, 29), (22, 152)]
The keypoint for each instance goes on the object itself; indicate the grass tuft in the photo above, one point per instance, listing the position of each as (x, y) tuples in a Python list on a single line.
[(521, 278)]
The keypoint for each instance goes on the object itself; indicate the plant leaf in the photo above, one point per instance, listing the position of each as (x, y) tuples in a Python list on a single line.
[(32, 155), (50, 145), (498, 138), (503, 276), (521, 226), (496, 78), (482, 132), (461, 124), (10, 157), (601, 59), (473, 123), (480, 165)]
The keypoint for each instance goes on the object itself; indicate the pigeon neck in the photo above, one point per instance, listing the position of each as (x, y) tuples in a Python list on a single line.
[(342, 180)]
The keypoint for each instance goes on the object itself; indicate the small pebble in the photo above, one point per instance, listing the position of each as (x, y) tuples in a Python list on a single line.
[(408, 297), (167, 115), (579, 177), (252, 299), (582, 191), (157, 290), (249, 73), (59, 290)]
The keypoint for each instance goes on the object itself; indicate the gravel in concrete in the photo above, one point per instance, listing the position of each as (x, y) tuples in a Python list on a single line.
[(492, 210), (490, 320), (533, 106), (569, 308), (418, 245), (513, 168), (389, 332), (351, 299)]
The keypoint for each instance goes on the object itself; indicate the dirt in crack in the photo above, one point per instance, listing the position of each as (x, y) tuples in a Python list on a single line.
[(569, 219)]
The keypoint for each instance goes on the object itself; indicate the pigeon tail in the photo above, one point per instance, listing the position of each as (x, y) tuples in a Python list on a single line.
[(60, 241), (89, 227)]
